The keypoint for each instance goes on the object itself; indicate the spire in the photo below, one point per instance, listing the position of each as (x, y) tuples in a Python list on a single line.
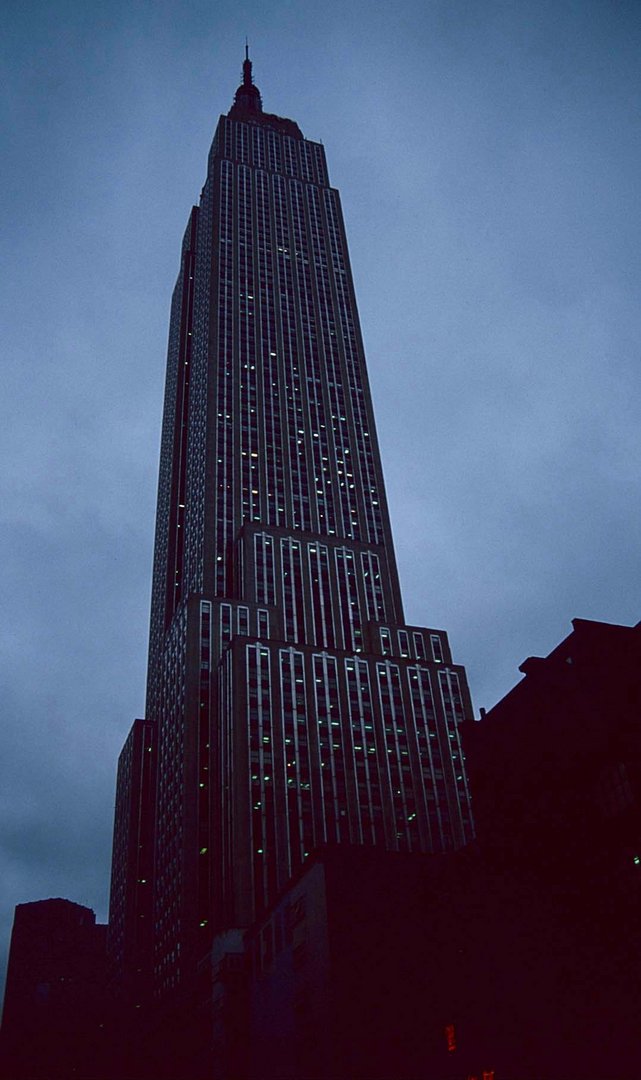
[(247, 67), (248, 96)]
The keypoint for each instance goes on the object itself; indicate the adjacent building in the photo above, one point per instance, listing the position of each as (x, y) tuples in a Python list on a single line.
[(366, 965), (130, 934), (555, 769), (56, 1018), (556, 764)]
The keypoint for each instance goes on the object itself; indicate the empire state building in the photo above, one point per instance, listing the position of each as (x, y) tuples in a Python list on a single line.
[(289, 705)]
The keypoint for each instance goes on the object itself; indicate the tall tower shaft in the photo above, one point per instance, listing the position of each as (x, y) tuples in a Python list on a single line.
[(293, 705)]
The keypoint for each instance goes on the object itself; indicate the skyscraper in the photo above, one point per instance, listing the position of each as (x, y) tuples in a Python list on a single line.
[(293, 705)]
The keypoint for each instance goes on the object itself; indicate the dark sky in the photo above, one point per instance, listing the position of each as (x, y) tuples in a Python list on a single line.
[(488, 158)]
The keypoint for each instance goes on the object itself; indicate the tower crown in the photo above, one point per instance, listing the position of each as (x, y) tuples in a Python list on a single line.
[(247, 96)]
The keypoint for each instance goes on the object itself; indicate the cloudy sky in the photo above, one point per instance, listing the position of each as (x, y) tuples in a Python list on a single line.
[(488, 158)]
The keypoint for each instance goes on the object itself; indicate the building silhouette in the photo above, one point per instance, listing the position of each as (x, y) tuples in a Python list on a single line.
[(55, 1020), (555, 770), (556, 764), (130, 931), (292, 705)]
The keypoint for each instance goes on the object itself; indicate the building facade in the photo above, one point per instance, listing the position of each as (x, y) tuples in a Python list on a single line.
[(130, 932), (293, 705)]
